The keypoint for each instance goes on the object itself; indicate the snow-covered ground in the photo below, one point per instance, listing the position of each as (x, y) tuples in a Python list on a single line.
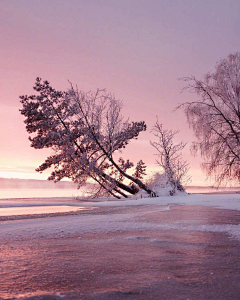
[(225, 201), (111, 222)]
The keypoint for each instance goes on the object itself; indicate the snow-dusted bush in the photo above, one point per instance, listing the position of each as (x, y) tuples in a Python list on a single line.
[(169, 159), (160, 184)]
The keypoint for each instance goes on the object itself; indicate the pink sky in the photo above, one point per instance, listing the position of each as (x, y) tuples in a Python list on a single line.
[(136, 49)]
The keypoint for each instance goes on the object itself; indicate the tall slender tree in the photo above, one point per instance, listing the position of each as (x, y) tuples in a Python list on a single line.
[(169, 157)]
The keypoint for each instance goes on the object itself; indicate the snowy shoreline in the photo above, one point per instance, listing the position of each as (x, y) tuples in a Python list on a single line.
[(91, 211), (221, 200)]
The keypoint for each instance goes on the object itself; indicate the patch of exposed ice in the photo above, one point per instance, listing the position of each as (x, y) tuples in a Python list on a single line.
[(36, 210)]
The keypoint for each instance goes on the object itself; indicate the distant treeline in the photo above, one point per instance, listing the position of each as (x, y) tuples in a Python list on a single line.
[(13, 183)]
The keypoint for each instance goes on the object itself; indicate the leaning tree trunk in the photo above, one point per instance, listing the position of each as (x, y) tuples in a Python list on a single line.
[(135, 180)]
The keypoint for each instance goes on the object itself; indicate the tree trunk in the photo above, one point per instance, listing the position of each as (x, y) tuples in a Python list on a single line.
[(136, 180), (120, 185)]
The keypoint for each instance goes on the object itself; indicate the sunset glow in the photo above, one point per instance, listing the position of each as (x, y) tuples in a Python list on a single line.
[(135, 49)]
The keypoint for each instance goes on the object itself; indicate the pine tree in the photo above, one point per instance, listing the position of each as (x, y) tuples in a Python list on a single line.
[(140, 170)]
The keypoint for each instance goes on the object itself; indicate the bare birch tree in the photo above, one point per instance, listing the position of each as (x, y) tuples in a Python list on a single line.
[(215, 119), (84, 130), (169, 157)]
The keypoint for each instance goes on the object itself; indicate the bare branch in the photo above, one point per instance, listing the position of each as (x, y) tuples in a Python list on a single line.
[(215, 119)]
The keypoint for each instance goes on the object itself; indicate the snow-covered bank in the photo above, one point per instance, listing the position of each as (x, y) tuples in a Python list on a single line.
[(224, 201), (131, 215), (128, 218), (131, 220)]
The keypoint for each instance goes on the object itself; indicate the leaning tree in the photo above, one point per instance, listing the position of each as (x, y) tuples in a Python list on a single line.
[(215, 119), (84, 130)]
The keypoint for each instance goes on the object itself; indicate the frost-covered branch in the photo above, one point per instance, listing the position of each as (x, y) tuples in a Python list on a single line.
[(215, 119), (169, 157)]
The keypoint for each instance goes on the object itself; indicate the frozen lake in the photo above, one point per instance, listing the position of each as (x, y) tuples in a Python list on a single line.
[(35, 210), (128, 249), (39, 193)]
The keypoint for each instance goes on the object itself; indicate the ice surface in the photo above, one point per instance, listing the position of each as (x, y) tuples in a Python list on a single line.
[(34, 210), (39, 193)]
